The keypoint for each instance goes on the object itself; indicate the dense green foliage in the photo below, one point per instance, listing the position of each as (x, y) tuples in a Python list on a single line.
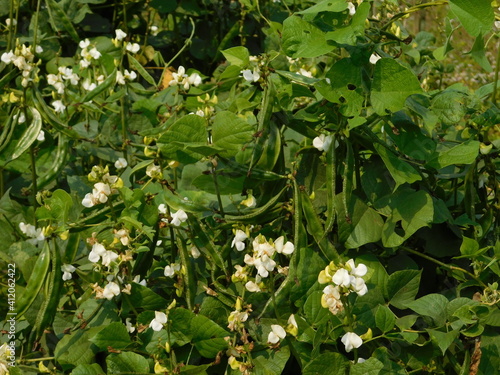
[(256, 187)]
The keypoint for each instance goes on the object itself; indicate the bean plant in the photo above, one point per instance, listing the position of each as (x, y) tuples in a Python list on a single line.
[(248, 187)]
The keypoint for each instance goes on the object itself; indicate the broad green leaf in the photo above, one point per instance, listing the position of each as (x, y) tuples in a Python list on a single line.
[(208, 336), (402, 287), (469, 246), (75, 349), (185, 131), (476, 16), (462, 153), (63, 19), (400, 170), (443, 340), (410, 212), (345, 87), (314, 312), (306, 273), (392, 84), (270, 362), (420, 105), (326, 364), (114, 335), (349, 34), (144, 298), (326, 6), (450, 106), (406, 321), (411, 141), (302, 39), (433, 306), (372, 366), (385, 319), (238, 56), (230, 133), (29, 136), (127, 362), (93, 369)]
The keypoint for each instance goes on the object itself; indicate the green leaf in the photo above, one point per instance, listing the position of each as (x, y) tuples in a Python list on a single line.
[(326, 6), (314, 312), (463, 153), (450, 106), (349, 34), (76, 349), (401, 171), (208, 336), (185, 131), (476, 16), (29, 136), (326, 364), (93, 369), (127, 362), (237, 56), (302, 39), (469, 246), (230, 133), (478, 53), (410, 212), (144, 298), (270, 362), (392, 84), (443, 340), (372, 366), (114, 335), (63, 18), (402, 287), (432, 305), (385, 319), (345, 87)]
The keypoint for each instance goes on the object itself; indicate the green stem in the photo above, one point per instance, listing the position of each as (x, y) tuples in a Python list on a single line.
[(217, 191), (413, 9), (35, 31), (186, 44), (124, 127), (33, 174), (444, 265)]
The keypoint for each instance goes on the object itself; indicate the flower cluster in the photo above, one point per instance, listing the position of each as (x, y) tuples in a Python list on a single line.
[(105, 185), (262, 257), (58, 80), (182, 79), (23, 58), (343, 280), (87, 54)]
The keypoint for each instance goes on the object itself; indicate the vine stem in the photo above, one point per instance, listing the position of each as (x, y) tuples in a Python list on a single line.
[(186, 44), (415, 8), (217, 191), (444, 265), (33, 174)]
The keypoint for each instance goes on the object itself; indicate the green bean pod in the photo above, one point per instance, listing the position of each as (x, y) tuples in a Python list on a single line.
[(35, 281), (190, 283), (331, 177), (8, 129)]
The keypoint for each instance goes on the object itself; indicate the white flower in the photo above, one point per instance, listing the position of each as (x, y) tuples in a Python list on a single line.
[(342, 278), (497, 24), (153, 171), (95, 53), (264, 265), (9, 22), (358, 285), (108, 257), (171, 269), (22, 118), (110, 290), (32, 232), (277, 333), (162, 209), (158, 322), (88, 85), (154, 30), (351, 341), (120, 35), (130, 327), (133, 47), (84, 43), (322, 142), (8, 57), (88, 200), (38, 49), (97, 251), (238, 239), (41, 136), (68, 269), (137, 280), (58, 106), (119, 78), (331, 299), (178, 218), (286, 249), (122, 235), (195, 253), (352, 8), (358, 271), (194, 79), (121, 163), (374, 58), (252, 286), (101, 192), (129, 76), (305, 73), (251, 76)]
